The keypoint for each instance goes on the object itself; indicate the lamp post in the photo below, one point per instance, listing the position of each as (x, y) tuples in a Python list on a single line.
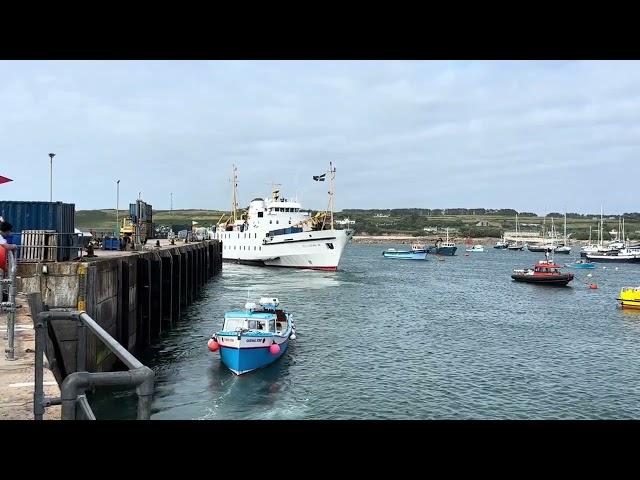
[(51, 155), (117, 207)]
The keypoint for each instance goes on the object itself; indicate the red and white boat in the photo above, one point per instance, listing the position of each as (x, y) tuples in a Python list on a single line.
[(545, 272)]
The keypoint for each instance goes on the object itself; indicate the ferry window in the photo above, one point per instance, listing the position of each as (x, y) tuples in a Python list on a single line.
[(255, 235), (254, 247), (259, 248), (260, 326), (270, 221), (272, 325), (289, 222), (251, 324), (260, 214), (277, 221)]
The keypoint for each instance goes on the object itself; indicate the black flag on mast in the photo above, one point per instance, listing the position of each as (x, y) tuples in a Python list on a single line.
[(319, 178)]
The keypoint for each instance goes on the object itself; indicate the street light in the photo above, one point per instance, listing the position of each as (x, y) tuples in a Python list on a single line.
[(51, 155), (117, 207)]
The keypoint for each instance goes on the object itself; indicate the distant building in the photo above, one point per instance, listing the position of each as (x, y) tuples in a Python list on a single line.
[(439, 229), (482, 223), (381, 215), (346, 221)]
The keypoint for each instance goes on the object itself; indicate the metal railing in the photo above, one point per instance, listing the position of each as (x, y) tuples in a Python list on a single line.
[(75, 405), (10, 305)]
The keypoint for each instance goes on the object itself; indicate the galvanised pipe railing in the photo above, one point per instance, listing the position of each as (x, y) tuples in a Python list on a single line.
[(74, 385)]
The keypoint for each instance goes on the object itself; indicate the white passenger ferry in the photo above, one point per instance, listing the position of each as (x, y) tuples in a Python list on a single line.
[(278, 232)]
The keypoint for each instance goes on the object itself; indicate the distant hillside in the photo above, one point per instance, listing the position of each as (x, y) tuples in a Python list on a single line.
[(489, 223), (103, 219)]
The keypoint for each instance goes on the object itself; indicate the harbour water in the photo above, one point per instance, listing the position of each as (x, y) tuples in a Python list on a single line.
[(404, 339)]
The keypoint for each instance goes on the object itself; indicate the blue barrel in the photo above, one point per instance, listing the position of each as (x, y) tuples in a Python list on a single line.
[(109, 243), (15, 239)]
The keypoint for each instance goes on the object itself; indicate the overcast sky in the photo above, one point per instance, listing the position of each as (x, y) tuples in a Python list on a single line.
[(534, 136)]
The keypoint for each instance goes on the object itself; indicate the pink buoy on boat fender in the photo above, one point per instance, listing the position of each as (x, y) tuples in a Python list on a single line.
[(274, 349), (213, 345)]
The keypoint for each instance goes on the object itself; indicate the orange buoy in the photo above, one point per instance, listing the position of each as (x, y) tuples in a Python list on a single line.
[(593, 286), (213, 345)]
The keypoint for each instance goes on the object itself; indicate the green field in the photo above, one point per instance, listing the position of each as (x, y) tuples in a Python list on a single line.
[(398, 222), (106, 219)]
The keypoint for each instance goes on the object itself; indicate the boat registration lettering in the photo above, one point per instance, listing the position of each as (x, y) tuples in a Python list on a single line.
[(255, 340)]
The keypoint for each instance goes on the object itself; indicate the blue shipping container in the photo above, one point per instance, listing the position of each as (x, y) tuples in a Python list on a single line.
[(56, 216)]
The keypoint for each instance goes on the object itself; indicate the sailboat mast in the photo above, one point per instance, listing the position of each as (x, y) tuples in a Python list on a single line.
[(565, 228), (601, 234)]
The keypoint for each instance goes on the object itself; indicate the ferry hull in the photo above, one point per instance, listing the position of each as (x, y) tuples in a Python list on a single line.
[(317, 250)]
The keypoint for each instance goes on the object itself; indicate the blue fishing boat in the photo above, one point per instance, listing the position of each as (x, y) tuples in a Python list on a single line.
[(254, 337), (580, 264), (446, 248), (417, 252)]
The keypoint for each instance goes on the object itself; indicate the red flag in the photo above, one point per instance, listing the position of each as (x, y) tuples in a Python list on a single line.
[(4, 180)]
